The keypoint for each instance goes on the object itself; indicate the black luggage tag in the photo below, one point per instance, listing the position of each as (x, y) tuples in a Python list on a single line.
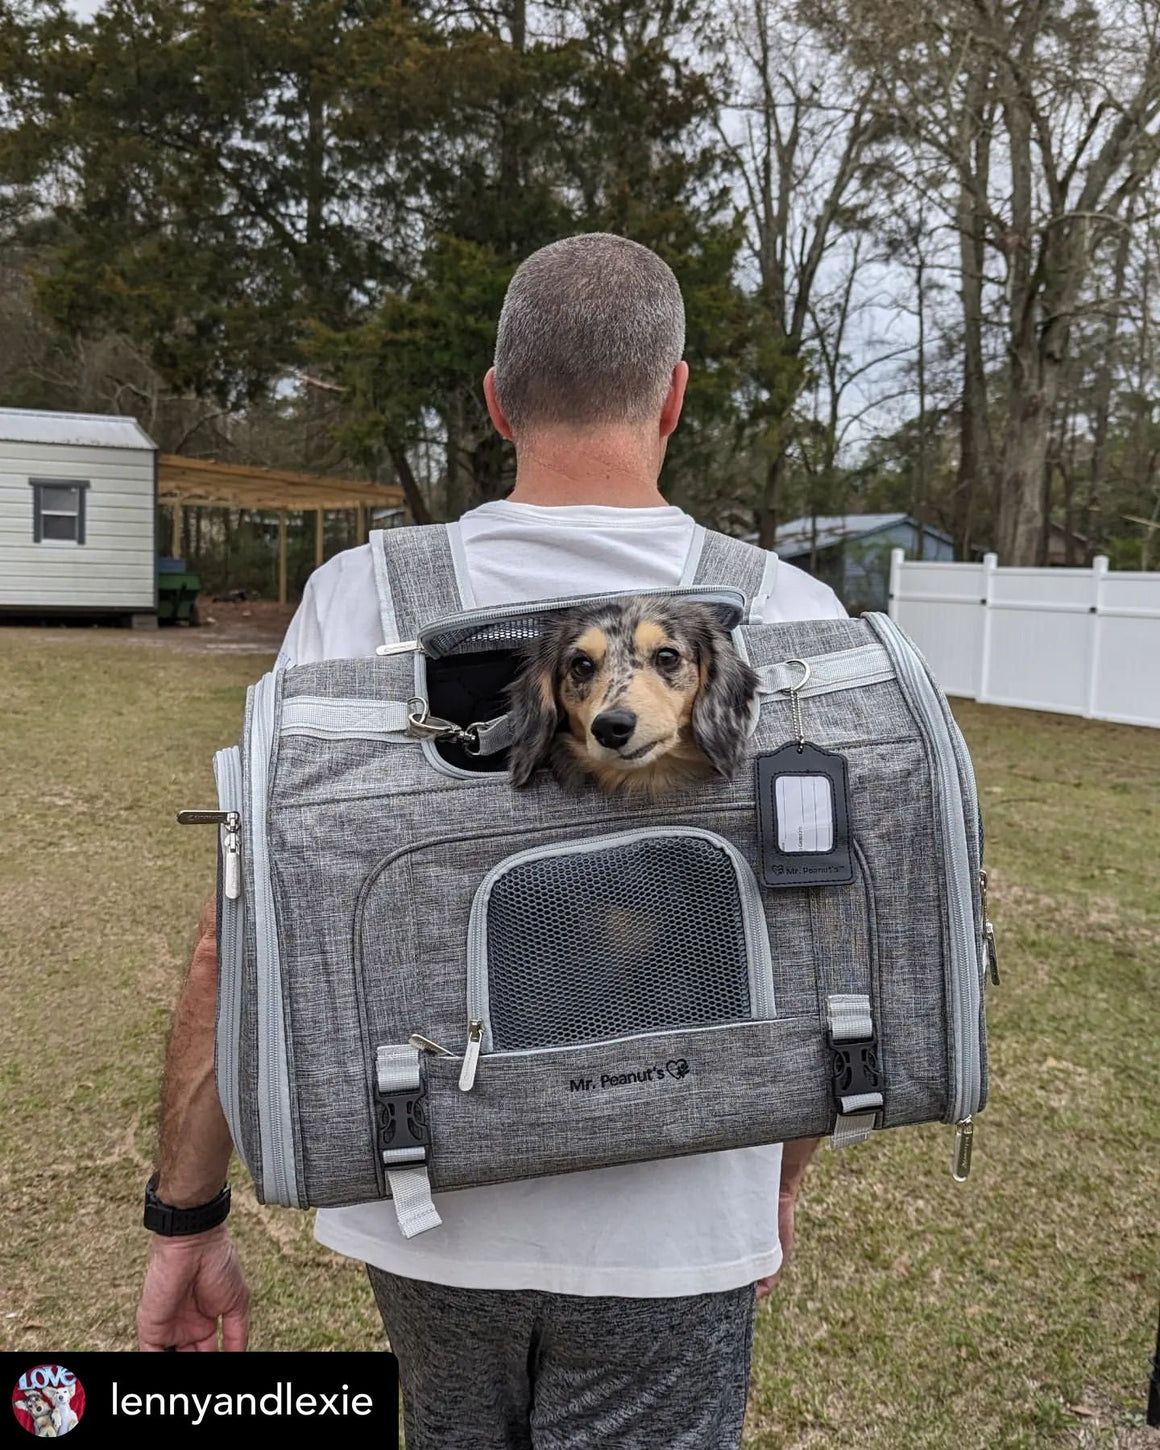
[(803, 811)]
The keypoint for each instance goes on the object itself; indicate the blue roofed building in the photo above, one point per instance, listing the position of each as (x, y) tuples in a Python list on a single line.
[(851, 552)]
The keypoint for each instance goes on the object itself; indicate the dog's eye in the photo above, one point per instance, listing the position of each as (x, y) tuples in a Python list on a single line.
[(582, 668), (667, 659)]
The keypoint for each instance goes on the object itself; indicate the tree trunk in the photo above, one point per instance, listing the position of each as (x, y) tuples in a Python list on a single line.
[(769, 515), (1103, 387), (976, 450), (1025, 449), (1032, 383), (416, 503)]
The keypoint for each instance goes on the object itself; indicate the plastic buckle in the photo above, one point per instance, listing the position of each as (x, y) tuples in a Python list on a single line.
[(402, 1121), (855, 1066)]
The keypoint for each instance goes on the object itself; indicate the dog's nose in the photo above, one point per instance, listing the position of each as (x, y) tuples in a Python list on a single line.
[(613, 728)]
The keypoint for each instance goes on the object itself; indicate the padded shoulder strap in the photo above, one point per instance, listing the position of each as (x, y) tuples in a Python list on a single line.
[(420, 575), (738, 565)]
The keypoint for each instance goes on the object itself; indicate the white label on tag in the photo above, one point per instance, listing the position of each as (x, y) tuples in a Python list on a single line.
[(805, 813)]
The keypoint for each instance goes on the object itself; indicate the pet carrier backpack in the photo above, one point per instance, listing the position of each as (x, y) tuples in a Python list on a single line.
[(429, 979)]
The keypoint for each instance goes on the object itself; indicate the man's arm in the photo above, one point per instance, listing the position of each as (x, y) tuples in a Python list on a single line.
[(191, 1282), (795, 1157)]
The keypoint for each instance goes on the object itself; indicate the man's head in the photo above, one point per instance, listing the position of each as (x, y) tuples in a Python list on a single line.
[(590, 338)]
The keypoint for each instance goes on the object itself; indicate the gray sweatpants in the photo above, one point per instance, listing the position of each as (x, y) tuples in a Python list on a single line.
[(487, 1369)]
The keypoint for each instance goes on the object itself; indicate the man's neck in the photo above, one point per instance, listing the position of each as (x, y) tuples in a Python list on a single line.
[(616, 469)]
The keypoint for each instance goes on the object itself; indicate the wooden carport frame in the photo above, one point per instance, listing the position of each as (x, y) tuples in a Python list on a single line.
[(203, 483)]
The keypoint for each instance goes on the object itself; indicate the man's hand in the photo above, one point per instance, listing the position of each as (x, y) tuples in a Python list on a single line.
[(786, 1204), (191, 1283), (794, 1158)]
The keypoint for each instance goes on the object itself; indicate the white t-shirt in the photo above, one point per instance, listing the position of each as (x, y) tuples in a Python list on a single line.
[(694, 1225)]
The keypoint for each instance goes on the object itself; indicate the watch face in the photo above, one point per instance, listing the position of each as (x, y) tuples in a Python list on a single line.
[(48, 1400)]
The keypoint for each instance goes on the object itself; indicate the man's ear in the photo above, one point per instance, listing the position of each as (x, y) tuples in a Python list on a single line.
[(494, 411), (674, 399), (720, 721), (533, 711)]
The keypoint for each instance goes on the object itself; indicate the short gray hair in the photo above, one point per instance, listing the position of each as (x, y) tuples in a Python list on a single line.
[(591, 329)]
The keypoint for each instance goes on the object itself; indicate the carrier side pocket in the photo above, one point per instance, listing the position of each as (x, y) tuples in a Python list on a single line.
[(636, 932)]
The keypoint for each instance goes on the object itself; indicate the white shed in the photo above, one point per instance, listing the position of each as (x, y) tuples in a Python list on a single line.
[(78, 514)]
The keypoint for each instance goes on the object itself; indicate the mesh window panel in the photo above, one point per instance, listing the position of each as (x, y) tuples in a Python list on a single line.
[(500, 634), (640, 937)]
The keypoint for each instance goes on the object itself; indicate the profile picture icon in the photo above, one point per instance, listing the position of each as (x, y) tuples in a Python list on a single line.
[(48, 1401)]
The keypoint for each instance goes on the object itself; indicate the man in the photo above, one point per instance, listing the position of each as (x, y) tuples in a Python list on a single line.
[(531, 1317)]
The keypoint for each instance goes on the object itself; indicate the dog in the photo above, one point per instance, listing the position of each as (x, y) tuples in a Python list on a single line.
[(640, 695), (39, 1409), (64, 1417)]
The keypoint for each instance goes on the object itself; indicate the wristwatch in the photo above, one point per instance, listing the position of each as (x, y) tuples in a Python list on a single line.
[(164, 1218)]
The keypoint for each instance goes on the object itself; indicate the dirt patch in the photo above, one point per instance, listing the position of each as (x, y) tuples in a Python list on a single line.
[(256, 627)]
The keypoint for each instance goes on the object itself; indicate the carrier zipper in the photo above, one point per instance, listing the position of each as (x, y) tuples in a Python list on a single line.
[(471, 620), (227, 768), (964, 996), (471, 1057), (424, 1044), (762, 1002), (275, 1124), (988, 932), (231, 824), (961, 1156)]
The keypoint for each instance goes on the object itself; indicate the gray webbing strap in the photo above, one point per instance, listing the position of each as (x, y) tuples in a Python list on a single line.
[(852, 1128), (693, 557), (733, 563), (411, 1195), (866, 664), (329, 718), (416, 579), (851, 1021), (492, 736), (387, 621), (397, 1071), (764, 589)]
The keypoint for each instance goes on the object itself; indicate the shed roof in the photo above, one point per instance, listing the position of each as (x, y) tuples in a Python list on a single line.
[(84, 430), (203, 481), (793, 538)]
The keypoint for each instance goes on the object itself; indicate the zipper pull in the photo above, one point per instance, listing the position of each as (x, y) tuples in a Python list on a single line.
[(988, 931), (232, 885), (231, 822), (992, 954), (961, 1157), (471, 1057), (424, 1044)]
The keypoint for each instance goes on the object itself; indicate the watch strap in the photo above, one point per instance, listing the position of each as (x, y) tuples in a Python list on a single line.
[(172, 1222)]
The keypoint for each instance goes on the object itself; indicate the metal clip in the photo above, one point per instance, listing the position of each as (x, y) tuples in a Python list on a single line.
[(794, 692), (424, 725), (421, 722)]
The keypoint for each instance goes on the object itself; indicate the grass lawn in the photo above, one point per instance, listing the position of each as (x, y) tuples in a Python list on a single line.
[(1016, 1310)]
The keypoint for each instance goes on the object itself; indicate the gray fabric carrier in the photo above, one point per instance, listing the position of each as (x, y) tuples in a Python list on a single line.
[(431, 980)]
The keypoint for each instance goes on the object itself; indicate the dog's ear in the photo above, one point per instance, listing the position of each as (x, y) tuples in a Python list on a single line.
[(720, 719), (533, 711)]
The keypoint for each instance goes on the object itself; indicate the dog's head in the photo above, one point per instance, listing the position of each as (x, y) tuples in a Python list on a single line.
[(34, 1404), (631, 692)]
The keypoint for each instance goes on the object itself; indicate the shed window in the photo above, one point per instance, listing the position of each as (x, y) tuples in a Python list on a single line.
[(58, 510)]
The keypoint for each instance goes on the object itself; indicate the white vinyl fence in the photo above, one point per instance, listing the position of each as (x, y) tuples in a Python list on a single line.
[(1079, 641)]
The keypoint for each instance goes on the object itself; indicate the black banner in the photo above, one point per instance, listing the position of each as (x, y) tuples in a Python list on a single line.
[(211, 1398)]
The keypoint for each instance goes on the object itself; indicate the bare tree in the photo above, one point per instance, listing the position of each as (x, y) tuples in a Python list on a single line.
[(799, 135), (1046, 112)]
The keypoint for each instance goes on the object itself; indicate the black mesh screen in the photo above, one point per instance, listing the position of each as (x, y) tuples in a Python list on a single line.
[(637, 937)]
